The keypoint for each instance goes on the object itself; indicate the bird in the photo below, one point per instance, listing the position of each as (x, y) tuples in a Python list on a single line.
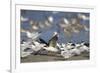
[(67, 46), (75, 51), (70, 45), (37, 46), (50, 19), (24, 54), (24, 50), (48, 22), (63, 45), (23, 19), (77, 45), (53, 41), (34, 25), (66, 54), (82, 16), (64, 21), (32, 35), (30, 47), (50, 48), (58, 45), (84, 47)]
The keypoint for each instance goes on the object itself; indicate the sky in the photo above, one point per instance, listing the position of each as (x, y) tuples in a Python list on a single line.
[(42, 15)]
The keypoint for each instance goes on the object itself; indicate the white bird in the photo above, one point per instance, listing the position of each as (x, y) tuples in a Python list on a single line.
[(84, 48), (58, 45), (33, 35), (37, 46), (41, 25), (23, 19), (27, 48), (75, 30), (86, 28), (82, 16), (35, 27), (50, 48), (24, 46), (63, 45), (50, 19), (69, 46), (48, 22), (65, 21), (62, 49), (25, 54), (75, 51), (74, 21), (66, 54), (78, 45)]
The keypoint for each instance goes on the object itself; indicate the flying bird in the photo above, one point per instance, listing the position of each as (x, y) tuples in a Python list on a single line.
[(23, 19)]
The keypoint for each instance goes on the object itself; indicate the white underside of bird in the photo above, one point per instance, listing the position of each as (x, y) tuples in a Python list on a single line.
[(66, 54), (69, 47), (51, 49), (25, 53), (23, 19), (84, 48), (75, 51), (32, 35), (24, 46), (37, 47)]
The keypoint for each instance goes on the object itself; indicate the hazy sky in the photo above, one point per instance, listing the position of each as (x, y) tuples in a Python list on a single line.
[(42, 15)]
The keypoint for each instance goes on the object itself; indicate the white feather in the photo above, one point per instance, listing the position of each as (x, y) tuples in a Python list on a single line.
[(66, 54)]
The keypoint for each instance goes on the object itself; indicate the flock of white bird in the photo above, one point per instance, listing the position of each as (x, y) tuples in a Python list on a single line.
[(66, 50), (69, 50), (69, 26)]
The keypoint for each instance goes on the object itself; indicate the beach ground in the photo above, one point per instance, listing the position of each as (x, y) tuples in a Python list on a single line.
[(48, 58)]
